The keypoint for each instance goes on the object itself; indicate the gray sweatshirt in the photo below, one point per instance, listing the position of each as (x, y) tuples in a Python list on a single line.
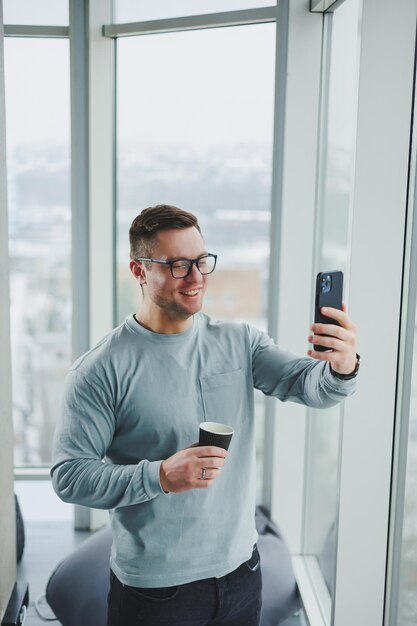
[(137, 398)]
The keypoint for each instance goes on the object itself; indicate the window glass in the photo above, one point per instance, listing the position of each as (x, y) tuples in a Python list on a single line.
[(133, 11), (407, 601), (39, 13), (332, 252), (38, 164), (194, 128), (38, 503)]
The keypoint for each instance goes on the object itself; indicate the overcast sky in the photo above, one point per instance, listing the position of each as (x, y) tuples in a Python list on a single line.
[(55, 12), (207, 87)]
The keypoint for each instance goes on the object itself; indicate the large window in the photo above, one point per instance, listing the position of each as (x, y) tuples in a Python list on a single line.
[(335, 197), (38, 153), (195, 128)]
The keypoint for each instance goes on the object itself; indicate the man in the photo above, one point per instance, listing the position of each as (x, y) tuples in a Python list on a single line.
[(182, 516)]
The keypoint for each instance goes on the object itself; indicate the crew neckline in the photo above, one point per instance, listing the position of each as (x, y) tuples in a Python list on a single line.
[(159, 337)]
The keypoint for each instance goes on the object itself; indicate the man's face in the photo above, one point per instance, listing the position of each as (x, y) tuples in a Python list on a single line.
[(176, 298)]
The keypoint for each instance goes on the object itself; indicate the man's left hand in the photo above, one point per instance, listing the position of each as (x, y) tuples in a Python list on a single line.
[(341, 341)]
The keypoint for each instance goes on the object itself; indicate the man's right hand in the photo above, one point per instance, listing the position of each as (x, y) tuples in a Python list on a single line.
[(183, 470)]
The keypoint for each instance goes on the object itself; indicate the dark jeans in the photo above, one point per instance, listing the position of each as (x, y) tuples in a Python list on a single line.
[(233, 600)]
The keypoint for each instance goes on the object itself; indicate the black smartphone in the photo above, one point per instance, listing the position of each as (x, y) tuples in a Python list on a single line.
[(329, 292)]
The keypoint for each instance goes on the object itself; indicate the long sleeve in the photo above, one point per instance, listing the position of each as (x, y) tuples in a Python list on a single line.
[(83, 435), (287, 377), (139, 397)]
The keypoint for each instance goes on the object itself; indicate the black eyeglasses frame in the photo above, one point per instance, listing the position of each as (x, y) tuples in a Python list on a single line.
[(190, 262)]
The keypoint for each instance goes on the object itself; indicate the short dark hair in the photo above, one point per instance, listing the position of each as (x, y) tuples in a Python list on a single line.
[(151, 221)]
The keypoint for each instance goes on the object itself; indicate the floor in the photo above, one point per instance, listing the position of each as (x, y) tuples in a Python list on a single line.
[(50, 537), (46, 544)]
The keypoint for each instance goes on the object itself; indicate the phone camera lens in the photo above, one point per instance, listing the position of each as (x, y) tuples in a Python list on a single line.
[(326, 283)]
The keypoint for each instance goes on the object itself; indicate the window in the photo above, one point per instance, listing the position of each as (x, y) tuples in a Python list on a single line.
[(407, 602), (38, 152), (41, 12), (132, 11), (402, 562), (332, 252), (194, 129)]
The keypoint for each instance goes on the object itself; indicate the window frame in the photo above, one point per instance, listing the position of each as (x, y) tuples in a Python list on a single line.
[(311, 569), (299, 55), (240, 17)]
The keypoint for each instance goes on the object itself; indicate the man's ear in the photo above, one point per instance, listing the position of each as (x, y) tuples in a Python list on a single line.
[(138, 270)]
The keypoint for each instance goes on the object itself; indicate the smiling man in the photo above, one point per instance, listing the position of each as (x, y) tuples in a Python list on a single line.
[(170, 297), (183, 554)]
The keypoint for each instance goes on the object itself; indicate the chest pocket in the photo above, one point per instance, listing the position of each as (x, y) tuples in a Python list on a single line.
[(224, 397)]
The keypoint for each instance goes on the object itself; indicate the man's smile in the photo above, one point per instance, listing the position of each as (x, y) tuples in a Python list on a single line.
[(190, 292)]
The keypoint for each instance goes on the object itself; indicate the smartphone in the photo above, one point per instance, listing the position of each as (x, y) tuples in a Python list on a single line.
[(329, 292)]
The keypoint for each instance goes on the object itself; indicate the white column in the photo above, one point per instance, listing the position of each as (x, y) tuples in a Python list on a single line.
[(101, 184), (101, 170)]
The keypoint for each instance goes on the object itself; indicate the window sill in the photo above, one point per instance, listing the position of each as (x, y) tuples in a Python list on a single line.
[(32, 473), (314, 594)]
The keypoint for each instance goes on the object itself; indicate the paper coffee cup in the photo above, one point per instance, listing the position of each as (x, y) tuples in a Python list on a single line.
[(215, 434)]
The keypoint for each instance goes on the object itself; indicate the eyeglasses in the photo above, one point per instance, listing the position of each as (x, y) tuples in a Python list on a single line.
[(181, 268)]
